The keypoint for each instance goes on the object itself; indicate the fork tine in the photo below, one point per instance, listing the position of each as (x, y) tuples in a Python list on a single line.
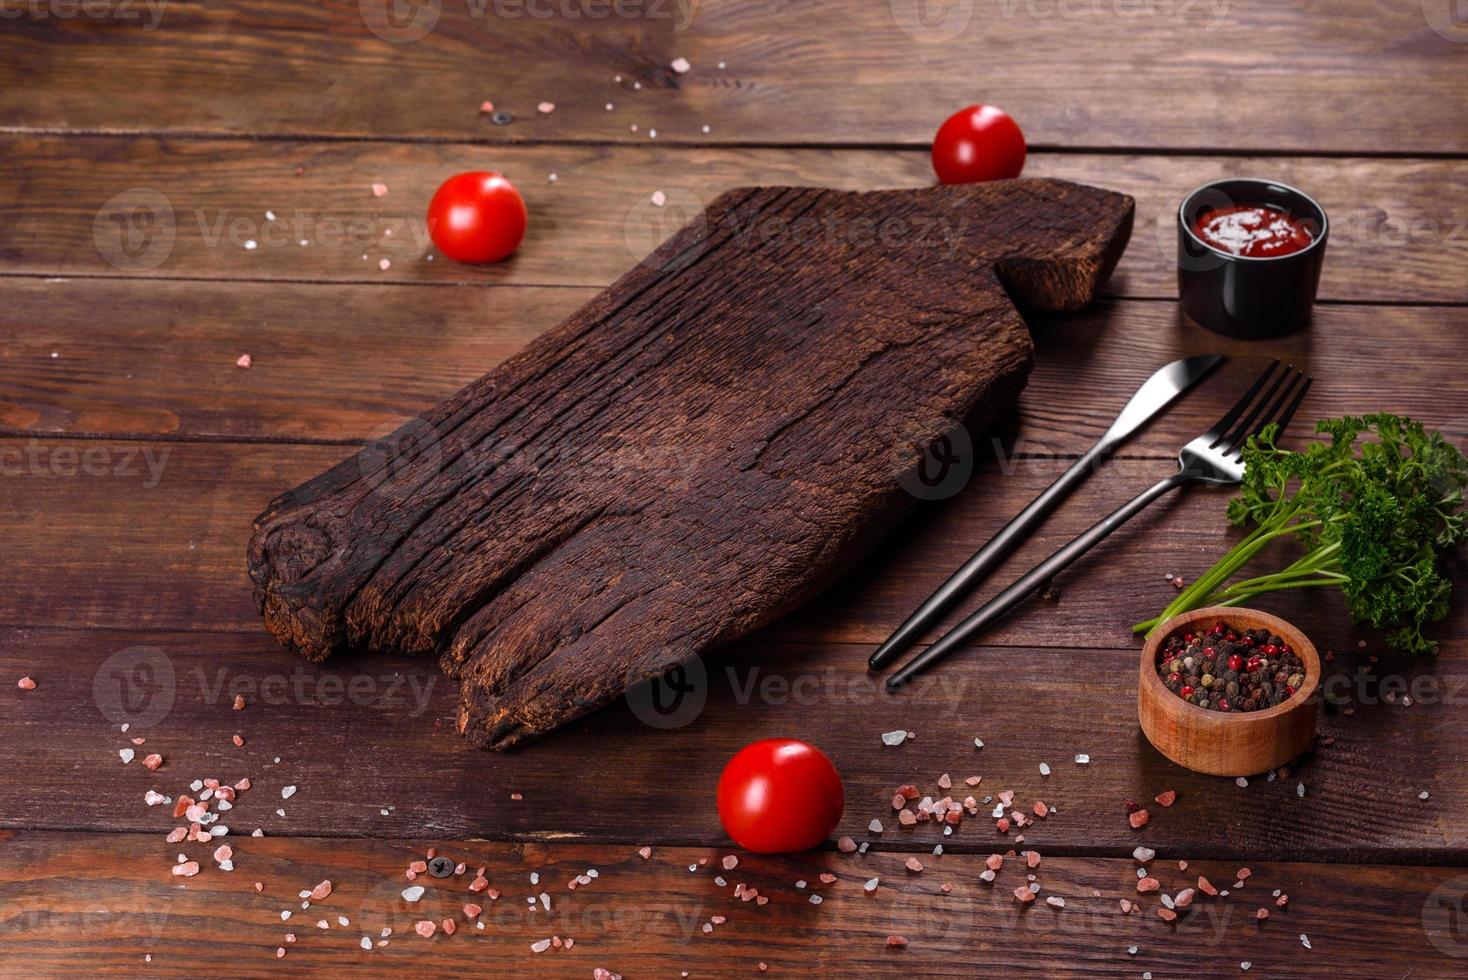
[(1289, 412), (1229, 417), (1279, 412), (1262, 412), (1236, 432)]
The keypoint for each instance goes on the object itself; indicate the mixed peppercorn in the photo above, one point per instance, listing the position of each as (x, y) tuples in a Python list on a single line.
[(1226, 669)]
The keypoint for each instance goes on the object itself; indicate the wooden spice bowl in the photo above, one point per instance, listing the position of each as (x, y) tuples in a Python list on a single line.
[(1227, 743)]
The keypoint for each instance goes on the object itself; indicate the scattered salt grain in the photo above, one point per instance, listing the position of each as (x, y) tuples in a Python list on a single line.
[(1055, 901), (1241, 782), (1044, 768), (413, 893), (680, 65), (871, 885), (126, 755), (379, 190), (658, 200), (1423, 795), (287, 792), (540, 946), (1144, 854), (1083, 760), (546, 108), (384, 264), (251, 245), (366, 942), (1305, 941)]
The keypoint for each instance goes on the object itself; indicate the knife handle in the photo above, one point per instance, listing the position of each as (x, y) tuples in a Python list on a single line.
[(1032, 581), (987, 558)]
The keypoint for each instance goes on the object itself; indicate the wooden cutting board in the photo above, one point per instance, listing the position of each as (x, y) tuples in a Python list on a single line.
[(705, 445)]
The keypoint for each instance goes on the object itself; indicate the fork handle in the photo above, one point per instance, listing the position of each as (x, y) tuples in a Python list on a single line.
[(1032, 580), (971, 572)]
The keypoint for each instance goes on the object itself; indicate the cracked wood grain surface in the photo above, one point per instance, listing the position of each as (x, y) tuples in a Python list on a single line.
[(700, 449)]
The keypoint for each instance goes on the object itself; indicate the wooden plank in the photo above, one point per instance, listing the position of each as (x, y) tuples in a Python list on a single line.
[(149, 207), (1246, 74), (340, 364), (364, 733), (165, 526), (105, 903)]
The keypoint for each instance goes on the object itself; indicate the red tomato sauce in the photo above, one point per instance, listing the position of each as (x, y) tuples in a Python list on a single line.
[(1253, 231)]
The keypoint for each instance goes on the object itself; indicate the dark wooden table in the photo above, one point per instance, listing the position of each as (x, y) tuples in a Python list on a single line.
[(186, 183)]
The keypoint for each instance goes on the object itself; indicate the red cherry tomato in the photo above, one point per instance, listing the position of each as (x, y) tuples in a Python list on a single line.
[(477, 217), (780, 795), (978, 143)]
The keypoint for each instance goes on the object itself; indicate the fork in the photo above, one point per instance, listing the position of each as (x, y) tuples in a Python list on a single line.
[(1215, 458)]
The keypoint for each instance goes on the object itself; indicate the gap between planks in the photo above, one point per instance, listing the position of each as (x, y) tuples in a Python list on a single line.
[(696, 144)]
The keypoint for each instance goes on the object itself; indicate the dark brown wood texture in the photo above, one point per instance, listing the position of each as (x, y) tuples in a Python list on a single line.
[(132, 461), (1243, 75), (150, 207), (72, 897)]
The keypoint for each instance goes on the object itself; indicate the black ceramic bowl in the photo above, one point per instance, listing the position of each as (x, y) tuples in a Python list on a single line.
[(1240, 295)]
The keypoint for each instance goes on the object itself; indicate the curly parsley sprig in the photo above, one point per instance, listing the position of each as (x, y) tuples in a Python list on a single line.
[(1377, 517)]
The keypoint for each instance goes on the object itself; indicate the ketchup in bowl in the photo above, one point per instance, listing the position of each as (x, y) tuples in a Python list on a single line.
[(1253, 231), (1249, 253)]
